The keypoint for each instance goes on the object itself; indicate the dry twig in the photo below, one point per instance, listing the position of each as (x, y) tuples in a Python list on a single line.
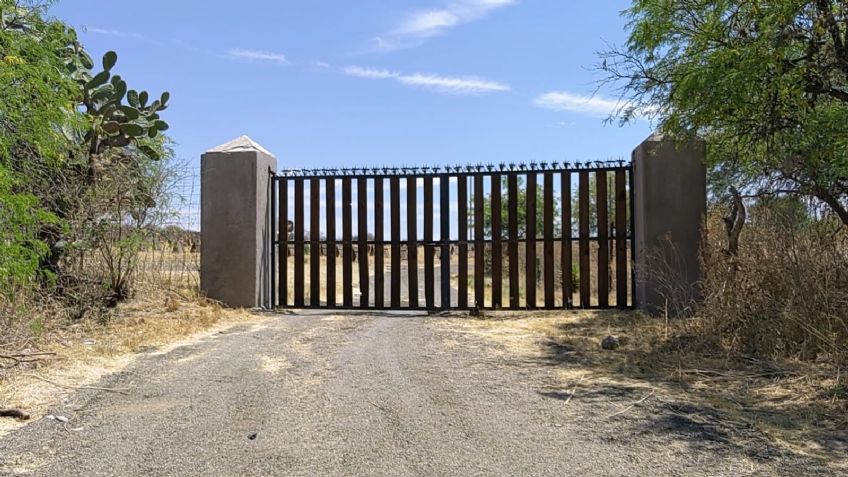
[(631, 406), (89, 388)]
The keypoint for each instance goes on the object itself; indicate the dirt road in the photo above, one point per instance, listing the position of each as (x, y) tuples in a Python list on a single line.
[(369, 395)]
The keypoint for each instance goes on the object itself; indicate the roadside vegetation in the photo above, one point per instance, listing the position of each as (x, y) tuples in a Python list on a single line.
[(87, 186), (766, 85)]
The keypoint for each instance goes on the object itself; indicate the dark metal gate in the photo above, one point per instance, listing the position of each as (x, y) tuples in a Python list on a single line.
[(535, 236)]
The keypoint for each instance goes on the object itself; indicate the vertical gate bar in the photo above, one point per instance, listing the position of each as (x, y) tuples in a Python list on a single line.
[(347, 243), (298, 243), (462, 236), (283, 282), (362, 239), (631, 234), (314, 244), (274, 240), (479, 248), (548, 219), (497, 247), (530, 232), (412, 239), (330, 208), (429, 272), (379, 237), (566, 255), (444, 238), (585, 290), (601, 205), (394, 199), (512, 207), (620, 239)]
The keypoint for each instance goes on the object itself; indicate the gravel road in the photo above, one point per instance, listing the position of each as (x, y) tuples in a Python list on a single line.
[(306, 394)]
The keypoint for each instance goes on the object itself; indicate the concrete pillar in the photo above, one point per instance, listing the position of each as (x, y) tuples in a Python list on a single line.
[(670, 202), (235, 223)]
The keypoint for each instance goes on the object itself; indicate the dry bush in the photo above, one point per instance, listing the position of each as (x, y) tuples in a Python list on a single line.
[(785, 294)]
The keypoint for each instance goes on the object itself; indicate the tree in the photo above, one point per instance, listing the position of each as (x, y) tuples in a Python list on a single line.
[(35, 105), (78, 152), (522, 211), (765, 82)]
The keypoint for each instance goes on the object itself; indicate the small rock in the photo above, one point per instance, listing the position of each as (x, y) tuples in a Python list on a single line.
[(252, 435), (610, 343)]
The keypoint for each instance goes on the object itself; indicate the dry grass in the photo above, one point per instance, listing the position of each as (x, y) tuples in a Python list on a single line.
[(801, 405), (91, 349)]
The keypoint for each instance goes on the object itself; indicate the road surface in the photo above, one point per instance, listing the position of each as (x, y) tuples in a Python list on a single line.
[(312, 394)]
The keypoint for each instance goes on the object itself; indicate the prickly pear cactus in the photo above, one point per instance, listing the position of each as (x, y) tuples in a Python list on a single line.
[(119, 117)]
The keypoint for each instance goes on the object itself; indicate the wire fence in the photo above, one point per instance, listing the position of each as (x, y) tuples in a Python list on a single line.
[(170, 258)]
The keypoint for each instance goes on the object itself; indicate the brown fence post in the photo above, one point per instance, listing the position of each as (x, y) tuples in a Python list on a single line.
[(235, 223), (669, 208)]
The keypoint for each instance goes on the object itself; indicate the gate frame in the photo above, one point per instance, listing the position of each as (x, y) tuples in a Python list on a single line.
[(667, 192)]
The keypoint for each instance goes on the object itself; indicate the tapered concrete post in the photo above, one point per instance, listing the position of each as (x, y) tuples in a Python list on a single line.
[(670, 202), (235, 223)]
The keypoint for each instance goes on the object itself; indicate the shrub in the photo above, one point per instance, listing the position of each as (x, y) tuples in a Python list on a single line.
[(786, 293)]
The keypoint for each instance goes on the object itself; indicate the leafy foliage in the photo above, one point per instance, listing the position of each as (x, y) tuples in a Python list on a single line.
[(765, 82), (78, 152), (522, 211)]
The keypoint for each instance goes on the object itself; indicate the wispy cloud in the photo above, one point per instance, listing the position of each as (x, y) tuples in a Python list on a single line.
[(443, 84), (111, 32), (257, 55), (421, 24), (428, 23), (589, 105), (371, 73)]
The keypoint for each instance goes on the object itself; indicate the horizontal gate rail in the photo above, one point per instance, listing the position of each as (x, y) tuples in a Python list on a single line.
[(511, 237)]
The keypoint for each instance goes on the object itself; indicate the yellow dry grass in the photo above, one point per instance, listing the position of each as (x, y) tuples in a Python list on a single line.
[(800, 405), (88, 350)]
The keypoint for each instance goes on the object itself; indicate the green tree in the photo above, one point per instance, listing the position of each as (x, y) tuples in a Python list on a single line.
[(765, 82), (78, 152), (36, 103), (522, 210)]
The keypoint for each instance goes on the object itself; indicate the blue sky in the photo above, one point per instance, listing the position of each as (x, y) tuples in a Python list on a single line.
[(341, 83)]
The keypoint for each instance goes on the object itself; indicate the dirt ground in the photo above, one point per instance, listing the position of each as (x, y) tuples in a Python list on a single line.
[(401, 394)]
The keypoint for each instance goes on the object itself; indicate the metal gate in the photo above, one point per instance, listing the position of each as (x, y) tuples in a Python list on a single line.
[(511, 237)]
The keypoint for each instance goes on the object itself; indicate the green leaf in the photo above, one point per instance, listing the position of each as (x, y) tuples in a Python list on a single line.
[(149, 152), (165, 97), (132, 130), (160, 125), (130, 112), (86, 60), (99, 80), (102, 92), (111, 127), (142, 98), (120, 90), (152, 133), (109, 60), (132, 98)]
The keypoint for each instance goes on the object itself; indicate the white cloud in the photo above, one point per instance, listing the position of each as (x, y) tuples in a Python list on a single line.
[(111, 32), (419, 25), (386, 45), (257, 55), (590, 105), (442, 84), (428, 23), (371, 73)]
